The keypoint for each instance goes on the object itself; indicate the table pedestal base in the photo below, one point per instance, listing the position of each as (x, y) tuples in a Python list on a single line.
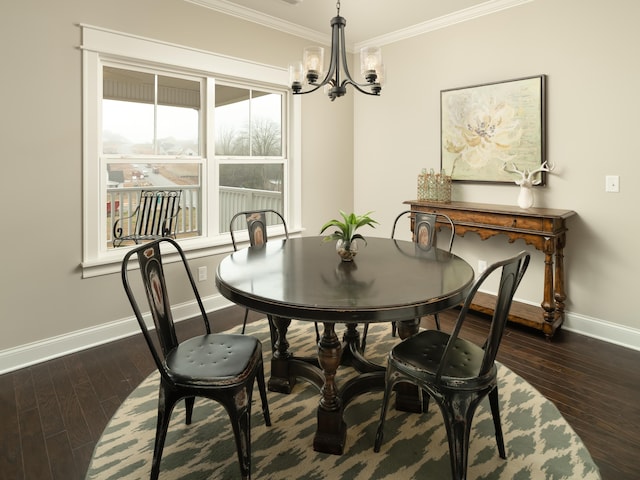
[(285, 368), (331, 433), (331, 429)]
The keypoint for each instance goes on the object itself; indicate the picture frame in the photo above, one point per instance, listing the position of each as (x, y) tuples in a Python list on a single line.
[(484, 127)]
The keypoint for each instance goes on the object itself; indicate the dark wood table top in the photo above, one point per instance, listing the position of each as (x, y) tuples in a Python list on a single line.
[(303, 278)]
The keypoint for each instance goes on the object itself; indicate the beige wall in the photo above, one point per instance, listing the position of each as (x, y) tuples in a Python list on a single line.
[(585, 48), (587, 51), (43, 295)]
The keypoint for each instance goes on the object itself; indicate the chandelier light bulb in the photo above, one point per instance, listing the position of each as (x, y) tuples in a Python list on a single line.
[(370, 63), (296, 76), (313, 60)]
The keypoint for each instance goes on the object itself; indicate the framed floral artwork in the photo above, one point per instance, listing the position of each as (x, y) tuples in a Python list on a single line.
[(485, 127)]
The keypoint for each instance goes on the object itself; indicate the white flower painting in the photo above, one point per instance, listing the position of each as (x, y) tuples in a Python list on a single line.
[(484, 126)]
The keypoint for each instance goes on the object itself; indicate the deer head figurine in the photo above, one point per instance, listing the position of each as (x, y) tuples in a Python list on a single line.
[(525, 198)]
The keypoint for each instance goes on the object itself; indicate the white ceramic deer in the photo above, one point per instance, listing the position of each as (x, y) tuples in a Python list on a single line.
[(525, 197)]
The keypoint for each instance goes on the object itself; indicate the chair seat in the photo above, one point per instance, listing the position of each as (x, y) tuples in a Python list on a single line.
[(423, 352), (215, 359)]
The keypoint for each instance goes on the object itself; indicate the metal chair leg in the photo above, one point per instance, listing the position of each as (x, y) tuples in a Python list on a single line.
[(244, 322), (495, 411)]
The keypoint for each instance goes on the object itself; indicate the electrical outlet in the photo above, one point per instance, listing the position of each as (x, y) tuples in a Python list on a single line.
[(482, 266), (202, 274), (612, 184)]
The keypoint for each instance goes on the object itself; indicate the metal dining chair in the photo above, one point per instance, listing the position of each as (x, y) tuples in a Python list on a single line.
[(425, 227), (221, 367), (455, 372), (256, 225)]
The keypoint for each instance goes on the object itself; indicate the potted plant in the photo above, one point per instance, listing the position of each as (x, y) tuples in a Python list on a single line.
[(345, 233)]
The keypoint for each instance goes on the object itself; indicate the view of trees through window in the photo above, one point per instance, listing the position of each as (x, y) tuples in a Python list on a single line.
[(248, 124)]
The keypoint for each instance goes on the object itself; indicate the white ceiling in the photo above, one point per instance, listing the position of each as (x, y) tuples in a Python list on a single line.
[(368, 21)]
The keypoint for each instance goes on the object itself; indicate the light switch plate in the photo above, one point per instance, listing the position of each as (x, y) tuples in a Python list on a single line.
[(612, 184)]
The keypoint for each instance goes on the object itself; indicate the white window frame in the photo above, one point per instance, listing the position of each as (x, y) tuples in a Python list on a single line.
[(99, 45)]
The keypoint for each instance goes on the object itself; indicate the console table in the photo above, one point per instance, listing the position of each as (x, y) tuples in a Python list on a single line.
[(543, 228)]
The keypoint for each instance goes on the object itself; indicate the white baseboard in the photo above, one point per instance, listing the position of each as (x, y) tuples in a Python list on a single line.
[(596, 328), (602, 330), (25, 355)]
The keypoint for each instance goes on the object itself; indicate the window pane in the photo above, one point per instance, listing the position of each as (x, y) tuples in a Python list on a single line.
[(249, 187), (178, 131), (232, 121), (127, 111), (248, 122), (127, 128), (178, 116), (140, 118), (266, 115)]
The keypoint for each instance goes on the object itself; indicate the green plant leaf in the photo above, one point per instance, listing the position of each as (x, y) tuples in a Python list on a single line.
[(346, 229)]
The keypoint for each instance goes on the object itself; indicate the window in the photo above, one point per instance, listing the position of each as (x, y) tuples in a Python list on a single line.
[(223, 131)]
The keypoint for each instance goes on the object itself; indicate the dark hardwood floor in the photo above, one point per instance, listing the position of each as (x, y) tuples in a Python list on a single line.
[(53, 413)]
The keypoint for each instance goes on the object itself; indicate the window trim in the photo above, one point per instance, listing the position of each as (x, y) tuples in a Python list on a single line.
[(98, 44)]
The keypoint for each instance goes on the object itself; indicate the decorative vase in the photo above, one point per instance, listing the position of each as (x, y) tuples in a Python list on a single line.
[(347, 249)]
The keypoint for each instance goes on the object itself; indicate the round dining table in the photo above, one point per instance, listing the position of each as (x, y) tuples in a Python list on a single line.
[(304, 279)]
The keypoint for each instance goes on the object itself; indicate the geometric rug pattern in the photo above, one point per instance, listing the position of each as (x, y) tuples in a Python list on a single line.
[(540, 444)]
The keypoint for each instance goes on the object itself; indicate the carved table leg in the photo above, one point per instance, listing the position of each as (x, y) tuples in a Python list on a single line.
[(331, 431), (282, 379), (560, 295), (548, 303), (407, 395)]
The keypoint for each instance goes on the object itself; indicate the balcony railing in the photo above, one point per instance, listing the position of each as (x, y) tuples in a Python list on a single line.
[(121, 202)]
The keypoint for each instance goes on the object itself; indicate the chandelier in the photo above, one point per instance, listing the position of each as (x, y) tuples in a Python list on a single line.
[(310, 69)]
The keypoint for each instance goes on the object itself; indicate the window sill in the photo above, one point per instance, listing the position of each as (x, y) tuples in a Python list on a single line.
[(111, 261)]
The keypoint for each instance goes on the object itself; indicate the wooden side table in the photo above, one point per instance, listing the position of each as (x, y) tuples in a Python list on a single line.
[(543, 228)]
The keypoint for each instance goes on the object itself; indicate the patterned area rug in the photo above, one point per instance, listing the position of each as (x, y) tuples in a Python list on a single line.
[(539, 442)]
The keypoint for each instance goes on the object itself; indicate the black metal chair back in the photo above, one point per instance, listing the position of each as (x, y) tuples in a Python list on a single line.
[(455, 372), (221, 367), (425, 226), (256, 223)]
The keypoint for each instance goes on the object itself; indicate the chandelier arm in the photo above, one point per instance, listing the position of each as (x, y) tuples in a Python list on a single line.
[(345, 65), (358, 86), (315, 87)]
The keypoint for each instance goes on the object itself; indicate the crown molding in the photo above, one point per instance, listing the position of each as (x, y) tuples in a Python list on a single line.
[(251, 15), (471, 13), (248, 14)]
